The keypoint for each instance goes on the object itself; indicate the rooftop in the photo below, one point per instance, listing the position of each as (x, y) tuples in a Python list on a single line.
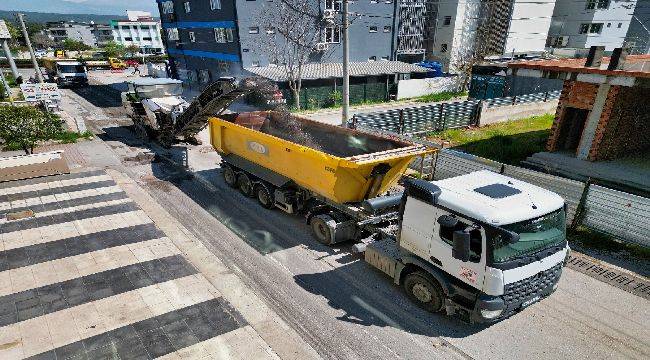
[(335, 70), (634, 66), (496, 199)]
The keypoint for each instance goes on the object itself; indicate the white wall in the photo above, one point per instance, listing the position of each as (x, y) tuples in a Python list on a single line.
[(420, 87), (529, 26), (569, 14)]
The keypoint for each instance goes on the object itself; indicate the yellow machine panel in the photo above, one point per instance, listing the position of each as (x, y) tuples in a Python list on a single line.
[(363, 173)]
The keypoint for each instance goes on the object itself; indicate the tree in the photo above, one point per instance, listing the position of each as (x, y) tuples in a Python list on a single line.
[(24, 126), (482, 36), (290, 30), (74, 45), (132, 49), (42, 41), (114, 49)]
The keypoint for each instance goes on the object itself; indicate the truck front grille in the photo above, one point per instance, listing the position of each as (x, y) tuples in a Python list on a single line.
[(522, 290)]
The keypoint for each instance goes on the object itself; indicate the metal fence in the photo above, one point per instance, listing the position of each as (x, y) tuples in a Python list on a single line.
[(522, 99), (441, 116), (619, 214)]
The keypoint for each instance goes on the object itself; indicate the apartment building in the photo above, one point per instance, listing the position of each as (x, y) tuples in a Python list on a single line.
[(580, 24), (494, 28), (62, 30), (210, 38), (139, 29)]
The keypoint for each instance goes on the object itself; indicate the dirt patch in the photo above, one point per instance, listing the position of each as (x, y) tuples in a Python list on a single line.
[(141, 158), (20, 215)]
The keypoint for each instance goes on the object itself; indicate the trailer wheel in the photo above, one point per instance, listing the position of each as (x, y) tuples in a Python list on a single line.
[(264, 196), (320, 229), (424, 291), (229, 176), (245, 185)]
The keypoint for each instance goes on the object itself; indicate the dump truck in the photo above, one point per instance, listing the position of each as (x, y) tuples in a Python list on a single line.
[(66, 72), (480, 246)]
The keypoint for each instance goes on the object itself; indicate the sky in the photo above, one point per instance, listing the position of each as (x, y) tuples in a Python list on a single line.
[(102, 7)]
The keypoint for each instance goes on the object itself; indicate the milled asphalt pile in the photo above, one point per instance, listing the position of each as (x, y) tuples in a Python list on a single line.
[(340, 142)]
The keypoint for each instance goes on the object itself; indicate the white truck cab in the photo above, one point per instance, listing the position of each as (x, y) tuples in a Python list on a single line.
[(481, 245)]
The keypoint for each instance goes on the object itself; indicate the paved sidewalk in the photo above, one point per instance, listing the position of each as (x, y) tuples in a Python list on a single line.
[(86, 274)]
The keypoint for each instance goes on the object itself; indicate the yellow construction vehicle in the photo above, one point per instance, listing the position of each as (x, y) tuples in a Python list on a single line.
[(117, 64)]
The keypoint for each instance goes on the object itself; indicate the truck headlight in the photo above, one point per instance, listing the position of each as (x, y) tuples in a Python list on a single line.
[(491, 314)]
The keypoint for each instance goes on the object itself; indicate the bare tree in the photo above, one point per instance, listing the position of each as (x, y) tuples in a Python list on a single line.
[(290, 33), (484, 34)]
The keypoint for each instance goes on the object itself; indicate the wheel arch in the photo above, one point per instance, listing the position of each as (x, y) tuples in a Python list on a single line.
[(412, 264)]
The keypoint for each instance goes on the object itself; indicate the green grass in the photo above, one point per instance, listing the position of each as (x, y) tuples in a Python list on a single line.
[(588, 238), (65, 137), (508, 142), (443, 96)]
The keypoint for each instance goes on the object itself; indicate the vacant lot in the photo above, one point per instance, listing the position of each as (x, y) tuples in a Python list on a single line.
[(509, 142)]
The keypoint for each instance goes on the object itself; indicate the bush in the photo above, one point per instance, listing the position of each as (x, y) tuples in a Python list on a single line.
[(22, 127)]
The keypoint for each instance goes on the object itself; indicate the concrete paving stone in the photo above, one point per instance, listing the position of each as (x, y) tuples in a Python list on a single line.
[(32, 223), (48, 179), (49, 205)]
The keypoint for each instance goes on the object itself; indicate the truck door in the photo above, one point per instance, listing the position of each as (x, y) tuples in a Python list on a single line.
[(417, 227), (471, 272)]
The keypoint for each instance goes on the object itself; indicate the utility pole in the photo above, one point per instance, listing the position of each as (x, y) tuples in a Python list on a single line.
[(6, 86), (29, 46), (345, 116), (10, 58)]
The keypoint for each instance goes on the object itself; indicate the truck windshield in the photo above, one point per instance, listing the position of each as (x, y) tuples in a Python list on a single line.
[(534, 234), (71, 68)]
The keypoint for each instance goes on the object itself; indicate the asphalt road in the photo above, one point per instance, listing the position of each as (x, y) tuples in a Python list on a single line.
[(344, 308)]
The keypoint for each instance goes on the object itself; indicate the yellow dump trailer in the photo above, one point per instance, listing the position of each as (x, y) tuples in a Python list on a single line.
[(342, 165)]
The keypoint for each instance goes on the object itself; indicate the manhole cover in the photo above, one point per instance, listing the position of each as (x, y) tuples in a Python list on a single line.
[(20, 215)]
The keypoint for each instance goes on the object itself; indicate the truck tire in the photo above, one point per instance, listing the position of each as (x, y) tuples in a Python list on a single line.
[(245, 185), (264, 196), (321, 231), (229, 176), (424, 291)]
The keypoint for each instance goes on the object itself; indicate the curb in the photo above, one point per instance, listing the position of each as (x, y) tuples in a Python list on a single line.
[(609, 274)]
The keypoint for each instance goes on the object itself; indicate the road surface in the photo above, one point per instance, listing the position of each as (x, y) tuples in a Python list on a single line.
[(341, 306)]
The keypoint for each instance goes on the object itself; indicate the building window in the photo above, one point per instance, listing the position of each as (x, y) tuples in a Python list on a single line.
[(192, 36), (333, 5), (146, 38), (595, 28), (172, 34), (186, 5), (253, 30), (597, 4), (372, 58), (223, 35), (609, 24), (372, 29), (385, 58), (332, 35), (446, 21), (387, 29), (128, 38), (168, 7), (215, 4), (619, 25)]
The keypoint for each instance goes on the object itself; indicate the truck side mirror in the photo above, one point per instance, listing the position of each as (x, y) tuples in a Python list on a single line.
[(460, 250)]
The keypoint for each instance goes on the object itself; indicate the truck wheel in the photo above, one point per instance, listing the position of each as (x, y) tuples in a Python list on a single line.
[(264, 197), (245, 185), (424, 291), (320, 229), (229, 176)]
